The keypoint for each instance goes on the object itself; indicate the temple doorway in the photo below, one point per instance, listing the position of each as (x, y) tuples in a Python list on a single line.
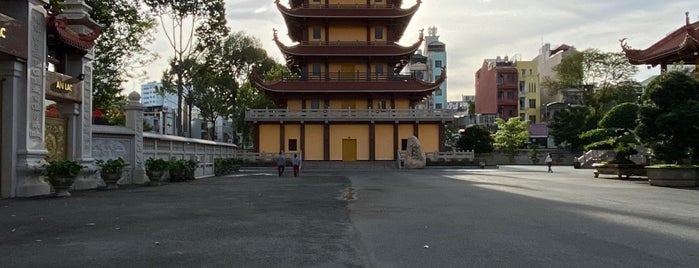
[(56, 135), (349, 150)]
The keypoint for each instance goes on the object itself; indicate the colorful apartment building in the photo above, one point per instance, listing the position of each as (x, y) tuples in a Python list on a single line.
[(529, 98), (497, 88), (345, 98)]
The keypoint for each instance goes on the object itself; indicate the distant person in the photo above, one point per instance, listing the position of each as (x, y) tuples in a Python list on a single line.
[(281, 162), (549, 162), (296, 162)]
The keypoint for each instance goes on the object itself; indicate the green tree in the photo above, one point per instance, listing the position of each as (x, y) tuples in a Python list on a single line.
[(566, 126), (614, 132), (120, 49), (471, 108), (195, 26), (476, 138), (511, 135), (669, 117)]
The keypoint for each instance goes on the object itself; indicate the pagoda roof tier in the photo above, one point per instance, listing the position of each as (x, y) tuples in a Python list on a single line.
[(353, 85), (348, 48), (680, 45), (297, 17)]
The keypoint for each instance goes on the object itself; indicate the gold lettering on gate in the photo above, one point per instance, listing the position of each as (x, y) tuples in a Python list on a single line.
[(61, 85)]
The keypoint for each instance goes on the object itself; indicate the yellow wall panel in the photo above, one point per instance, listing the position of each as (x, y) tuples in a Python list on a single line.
[(269, 139), (347, 33), (384, 142), (404, 132), (358, 132), (429, 137), (314, 142), (402, 104), (293, 104), (292, 132)]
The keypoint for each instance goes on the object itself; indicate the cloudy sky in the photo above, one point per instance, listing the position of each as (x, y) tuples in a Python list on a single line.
[(477, 29)]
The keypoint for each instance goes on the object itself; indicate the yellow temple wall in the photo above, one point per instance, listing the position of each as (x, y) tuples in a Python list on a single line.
[(429, 137), (404, 132), (314, 143), (292, 132), (294, 104), (347, 33), (357, 132), (384, 142), (334, 68), (402, 104), (269, 138)]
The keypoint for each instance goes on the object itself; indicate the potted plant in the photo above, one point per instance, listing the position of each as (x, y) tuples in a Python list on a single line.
[(61, 174), (155, 168), (190, 167), (668, 121), (111, 171), (178, 169)]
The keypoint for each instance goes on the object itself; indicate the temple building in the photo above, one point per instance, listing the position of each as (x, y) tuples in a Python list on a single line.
[(46, 55), (345, 98), (680, 46)]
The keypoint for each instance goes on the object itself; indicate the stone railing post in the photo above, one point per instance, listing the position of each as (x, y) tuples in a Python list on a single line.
[(134, 120)]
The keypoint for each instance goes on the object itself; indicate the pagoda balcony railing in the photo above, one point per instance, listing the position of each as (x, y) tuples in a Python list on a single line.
[(347, 43), (348, 6), (346, 77), (335, 115)]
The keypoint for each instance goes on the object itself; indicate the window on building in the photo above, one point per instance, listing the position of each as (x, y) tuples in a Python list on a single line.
[(511, 79), (522, 85), (316, 33), (510, 95), (500, 79), (438, 63), (292, 145), (315, 104), (501, 95), (512, 112), (438, 106), (524, 73), (379, 69), (438, 92), (532, 103), (532, 119), (316, 69), (382, 104), (379, 1), (522, 116), (403, 144), (521, 103), (378, 33)]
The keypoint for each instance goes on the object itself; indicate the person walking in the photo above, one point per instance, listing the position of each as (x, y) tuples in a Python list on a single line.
[(296, 161), (549, 162), (281, 162)]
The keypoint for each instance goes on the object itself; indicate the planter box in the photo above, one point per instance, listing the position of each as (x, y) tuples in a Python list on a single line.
[(673, 176), (620, 170)]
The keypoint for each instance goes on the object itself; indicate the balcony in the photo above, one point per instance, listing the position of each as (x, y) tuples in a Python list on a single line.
[(348, 115)]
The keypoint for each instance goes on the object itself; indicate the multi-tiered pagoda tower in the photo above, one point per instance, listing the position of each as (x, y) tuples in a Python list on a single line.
[(345, 98)]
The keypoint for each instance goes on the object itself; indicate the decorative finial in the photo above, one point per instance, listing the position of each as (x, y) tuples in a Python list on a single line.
[(686, 17), (275, 34), (624, 46), (422, 34)]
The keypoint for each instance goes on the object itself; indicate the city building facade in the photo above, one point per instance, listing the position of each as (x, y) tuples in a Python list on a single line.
[(497, 88), (436, 53), (529, 97), (161, 110), (345, 98)]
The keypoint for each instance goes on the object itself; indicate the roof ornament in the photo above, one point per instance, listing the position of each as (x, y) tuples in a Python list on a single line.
[(422, 34), (624, 45), (275, 34), (686, 17)]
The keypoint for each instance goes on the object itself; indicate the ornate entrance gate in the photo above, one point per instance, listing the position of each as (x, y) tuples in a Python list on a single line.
[(56, 138)]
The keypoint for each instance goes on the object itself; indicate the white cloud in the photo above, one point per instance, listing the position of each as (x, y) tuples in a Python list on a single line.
[(477, 29)]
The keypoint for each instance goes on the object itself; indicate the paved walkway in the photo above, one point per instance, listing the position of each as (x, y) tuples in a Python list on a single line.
[(506, 217)]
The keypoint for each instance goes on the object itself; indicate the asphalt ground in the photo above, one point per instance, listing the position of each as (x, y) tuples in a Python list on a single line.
[(514, 216)]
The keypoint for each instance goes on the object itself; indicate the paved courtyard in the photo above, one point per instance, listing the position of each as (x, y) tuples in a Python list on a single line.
[(514, 216)]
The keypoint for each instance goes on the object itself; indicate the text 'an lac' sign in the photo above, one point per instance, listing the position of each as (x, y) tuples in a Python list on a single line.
[(63, 87), (13, 37)]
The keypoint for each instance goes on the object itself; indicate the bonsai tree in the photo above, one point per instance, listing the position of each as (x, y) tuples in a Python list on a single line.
[(614, 132), (669, 117)]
